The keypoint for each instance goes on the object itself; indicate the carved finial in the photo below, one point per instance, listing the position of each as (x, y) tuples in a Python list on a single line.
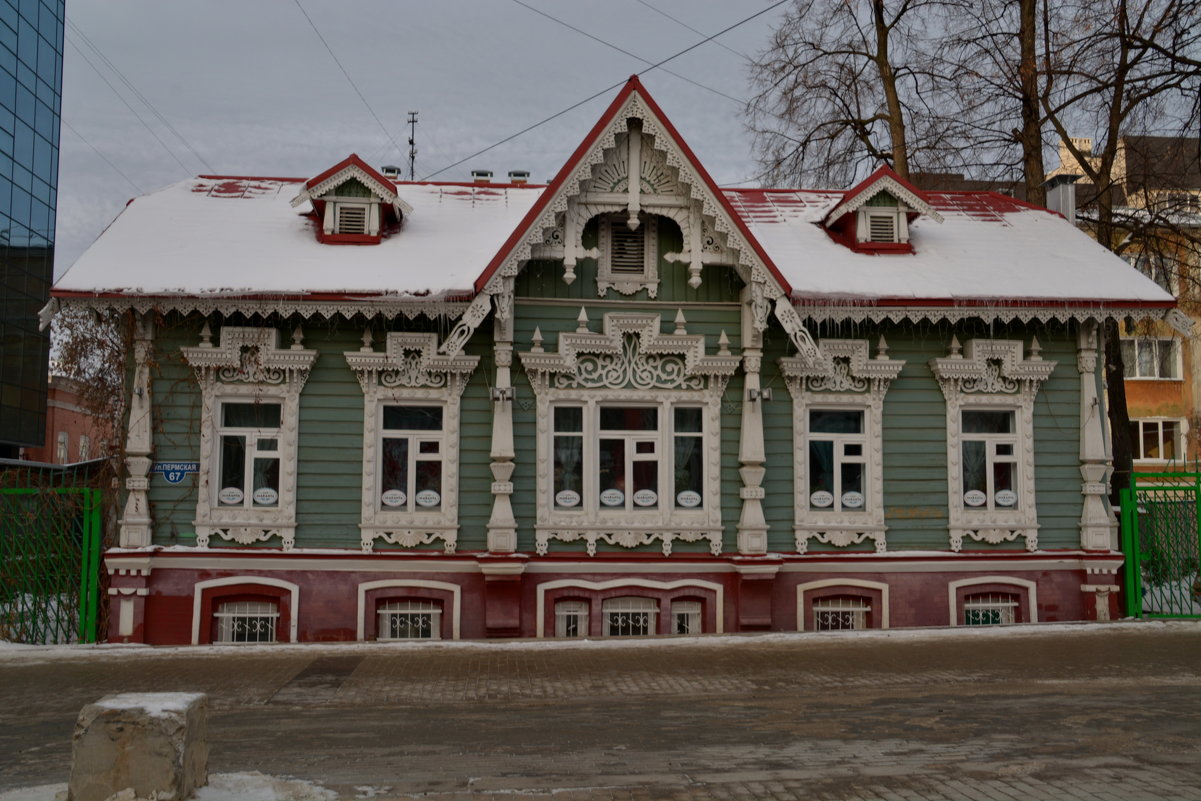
[(882, 348), (206, 336), (367, 340), (680, 322), (723, 344), (568, 271), (582, 320), (297, 338), (1035, 349), (537, 340), (694, 274), (632, 221), (956, 348)]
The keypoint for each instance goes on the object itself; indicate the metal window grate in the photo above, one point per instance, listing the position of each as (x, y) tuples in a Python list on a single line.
[(992, 609), (840, 613), (571, 619), (246, 621), (630, 616), (685, 617), (410, 620)]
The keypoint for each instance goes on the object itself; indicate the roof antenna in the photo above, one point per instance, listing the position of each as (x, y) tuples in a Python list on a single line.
[(412, 144)]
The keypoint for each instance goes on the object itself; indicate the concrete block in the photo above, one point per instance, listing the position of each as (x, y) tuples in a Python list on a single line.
[(140, 746)]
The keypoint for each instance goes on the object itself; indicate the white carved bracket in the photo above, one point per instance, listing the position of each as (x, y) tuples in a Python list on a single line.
[(990, 366), (627, 539), (250, 356), (411, 360)]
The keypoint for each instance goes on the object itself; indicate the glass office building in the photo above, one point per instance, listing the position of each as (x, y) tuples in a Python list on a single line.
[(31, 67)]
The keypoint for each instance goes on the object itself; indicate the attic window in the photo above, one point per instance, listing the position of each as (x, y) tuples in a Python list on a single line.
[(352, 218), (628, 257), (881, 228), (883, 221)]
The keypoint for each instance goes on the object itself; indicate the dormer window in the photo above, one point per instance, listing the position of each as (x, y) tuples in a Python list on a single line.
[(629, 257), (882, 220), (351, 218), (352, 204)]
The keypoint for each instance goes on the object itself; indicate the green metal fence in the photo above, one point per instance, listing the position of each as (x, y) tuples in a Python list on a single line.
[(1161, 538), (50, 539)]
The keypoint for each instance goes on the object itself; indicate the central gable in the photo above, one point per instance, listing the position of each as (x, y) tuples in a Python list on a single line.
[(597, 181)]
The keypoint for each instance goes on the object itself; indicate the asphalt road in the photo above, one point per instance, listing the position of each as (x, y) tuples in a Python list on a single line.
[(1056, 712)]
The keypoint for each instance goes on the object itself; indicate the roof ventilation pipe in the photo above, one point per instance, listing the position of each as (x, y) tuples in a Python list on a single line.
[(518, 177), (481, 176), (1061, 195)]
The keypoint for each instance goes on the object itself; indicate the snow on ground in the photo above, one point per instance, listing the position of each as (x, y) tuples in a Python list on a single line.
[(33, 653), (252, 786)]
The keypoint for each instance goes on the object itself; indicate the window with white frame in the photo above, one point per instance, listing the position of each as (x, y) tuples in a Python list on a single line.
[(246, 621), (1151, 357), (629, 256), (630, 616), (685, 617), (628, 458), (883, 220), (989, 452), (352, 218), (840, 612), (410, 620), (249, 453), (990, 609), (837, 459), (571, 618), (411, 451), (1158, 440), (61, 454), (410, 440)]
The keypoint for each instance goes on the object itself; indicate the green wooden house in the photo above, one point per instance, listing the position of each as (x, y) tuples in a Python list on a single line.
[(624, 403)]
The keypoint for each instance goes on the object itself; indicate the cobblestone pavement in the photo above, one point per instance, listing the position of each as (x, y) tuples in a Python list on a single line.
[(1102, 712)]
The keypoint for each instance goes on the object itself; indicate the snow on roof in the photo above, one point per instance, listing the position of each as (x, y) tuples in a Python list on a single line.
[(237, 236), (988, 248)]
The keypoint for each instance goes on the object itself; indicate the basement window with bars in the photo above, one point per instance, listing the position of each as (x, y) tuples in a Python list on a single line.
[(630, 617), (840, 613), (571, 619), (990, 609), (685, 617), (246, 621), (410, 620)]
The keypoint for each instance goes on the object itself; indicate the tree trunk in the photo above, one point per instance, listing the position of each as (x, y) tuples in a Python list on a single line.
[(888, 81), (1030, 135)]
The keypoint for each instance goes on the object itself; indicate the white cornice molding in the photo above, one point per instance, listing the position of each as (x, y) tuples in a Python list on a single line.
[(371, 307)]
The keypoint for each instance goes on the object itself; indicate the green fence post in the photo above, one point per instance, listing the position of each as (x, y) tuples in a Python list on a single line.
[(1128, 501)]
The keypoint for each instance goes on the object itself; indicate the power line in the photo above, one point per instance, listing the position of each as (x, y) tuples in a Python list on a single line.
[(132, 110), (689, 27), (103, 158), (607, 89), (349, 79), (92, 46), (634, 56)]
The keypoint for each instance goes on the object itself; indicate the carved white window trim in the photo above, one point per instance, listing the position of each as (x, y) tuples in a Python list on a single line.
[(248, 365), (991, 375), (628, 283), (845, 377), (631, 362), (409, 372), (896, 215)]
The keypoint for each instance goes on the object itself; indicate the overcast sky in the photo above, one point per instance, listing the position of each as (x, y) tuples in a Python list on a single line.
[(253, 91)]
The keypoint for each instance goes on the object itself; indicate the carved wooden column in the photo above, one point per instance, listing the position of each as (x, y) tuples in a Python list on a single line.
[(136, 521), (502, 526), (1097, 529), (752, 526)]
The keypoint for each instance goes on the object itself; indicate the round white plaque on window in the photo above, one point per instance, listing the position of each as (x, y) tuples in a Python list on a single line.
[(821, 499), (646, 497), (974, 498), (567, 498), (1006, 498), (613, 497), (852, 500), (393, 497), (688, 499), (265, 496), (230, 495), (428, 498)]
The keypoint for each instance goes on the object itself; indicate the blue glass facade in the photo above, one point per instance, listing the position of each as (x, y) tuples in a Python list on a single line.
[(31, 66)]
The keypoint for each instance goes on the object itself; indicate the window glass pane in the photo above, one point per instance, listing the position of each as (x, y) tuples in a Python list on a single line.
[(629, 418), (1151, 440), (852, 477), (646, 477), (974, 466), (1167, 358), (831, 422), (266, 444), (569, 418), (976, 421), (429, 446), (688, 420), (612, 470), (429, 479), (1170, 437), (394, 469), (251, 415), (821, 466), (266, 476), (1128, 360), (1146, 357), (1003, 480), (413, 418), (689, 472), (233, 462), (569, 469)]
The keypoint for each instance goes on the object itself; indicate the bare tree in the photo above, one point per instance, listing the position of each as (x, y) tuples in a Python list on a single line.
[(844, 86)]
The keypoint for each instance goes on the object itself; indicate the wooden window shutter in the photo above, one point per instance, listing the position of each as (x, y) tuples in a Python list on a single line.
[(352, 219), (627, 249)]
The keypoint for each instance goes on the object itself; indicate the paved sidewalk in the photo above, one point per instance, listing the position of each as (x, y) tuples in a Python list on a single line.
[(1055, 712)]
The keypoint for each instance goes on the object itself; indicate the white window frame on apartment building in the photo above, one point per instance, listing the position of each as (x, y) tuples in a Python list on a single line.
[(630, 365), (991, 375), (844, 379), (410, 372), (1156, 424), (248, 366), (1145, 358)]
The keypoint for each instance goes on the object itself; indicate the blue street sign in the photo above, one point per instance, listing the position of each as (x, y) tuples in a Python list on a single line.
[(174, 472)]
